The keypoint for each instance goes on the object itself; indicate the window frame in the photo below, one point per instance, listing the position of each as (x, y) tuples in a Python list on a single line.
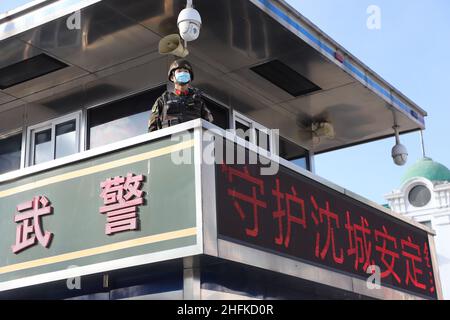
[(13, 133), (51, 124), (253, 125)]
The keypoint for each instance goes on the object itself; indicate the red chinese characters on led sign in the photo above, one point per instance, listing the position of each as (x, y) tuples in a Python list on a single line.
[(388, 253), (411, 252), (121, 197), (286, 213), (30, 228), (294, 215), (332, 222), (359, 243), (257, 188)]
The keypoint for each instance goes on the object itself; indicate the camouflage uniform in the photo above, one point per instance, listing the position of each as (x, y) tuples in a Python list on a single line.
[(171, 109)]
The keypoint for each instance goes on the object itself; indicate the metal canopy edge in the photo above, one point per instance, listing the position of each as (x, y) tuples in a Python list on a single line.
[(307, 31)]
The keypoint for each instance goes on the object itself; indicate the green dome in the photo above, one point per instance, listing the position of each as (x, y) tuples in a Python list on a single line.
[(429, 169)]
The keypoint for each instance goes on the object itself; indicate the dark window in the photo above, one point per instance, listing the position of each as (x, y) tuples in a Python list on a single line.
[(43, 146), (10, 149), (66, 139), (419, 196), (262, 139), (292, 152), (58, 139), (243, 131), (121, 119), (220, 114)]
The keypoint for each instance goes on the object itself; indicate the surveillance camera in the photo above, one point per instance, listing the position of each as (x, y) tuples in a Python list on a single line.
[(400, 154), (189, 24)]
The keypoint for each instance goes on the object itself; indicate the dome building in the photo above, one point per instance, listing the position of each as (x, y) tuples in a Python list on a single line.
[(424, 196)]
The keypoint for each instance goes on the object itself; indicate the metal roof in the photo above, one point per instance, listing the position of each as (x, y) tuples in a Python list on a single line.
[(115, 53)]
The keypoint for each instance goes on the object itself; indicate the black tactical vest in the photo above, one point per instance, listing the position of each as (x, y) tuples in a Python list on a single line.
[(178, 109)]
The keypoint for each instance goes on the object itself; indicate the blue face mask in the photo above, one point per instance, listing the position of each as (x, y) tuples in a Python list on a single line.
[(183, 77)]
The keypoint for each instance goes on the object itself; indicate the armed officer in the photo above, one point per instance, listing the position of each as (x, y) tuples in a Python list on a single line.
[(185, 103)]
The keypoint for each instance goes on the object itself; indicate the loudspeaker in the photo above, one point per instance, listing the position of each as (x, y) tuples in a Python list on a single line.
[(172, 44)]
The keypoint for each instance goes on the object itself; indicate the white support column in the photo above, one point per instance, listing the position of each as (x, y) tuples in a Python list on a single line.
[(191, 279)]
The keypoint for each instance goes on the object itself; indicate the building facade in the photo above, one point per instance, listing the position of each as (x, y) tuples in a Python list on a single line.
[(424, 196)]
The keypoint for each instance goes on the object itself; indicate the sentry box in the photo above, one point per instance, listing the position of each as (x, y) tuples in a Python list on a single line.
[(94, 207)]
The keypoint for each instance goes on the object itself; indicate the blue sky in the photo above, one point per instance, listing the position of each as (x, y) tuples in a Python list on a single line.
[(7, 5), (411, 51)]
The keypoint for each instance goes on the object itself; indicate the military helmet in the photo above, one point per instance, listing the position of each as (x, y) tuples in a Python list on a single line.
[(180, 64)]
